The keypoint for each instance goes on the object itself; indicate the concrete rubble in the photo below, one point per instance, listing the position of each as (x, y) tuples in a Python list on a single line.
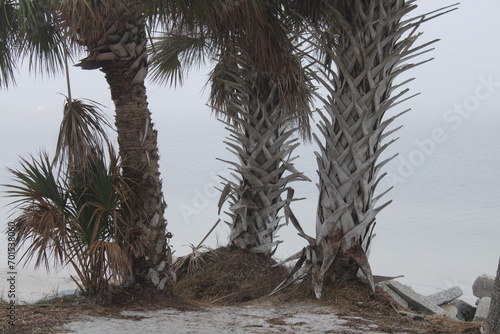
[(483, 286), (416, 301), (445, 296), (446, 302), (465, 311), (483, 307)]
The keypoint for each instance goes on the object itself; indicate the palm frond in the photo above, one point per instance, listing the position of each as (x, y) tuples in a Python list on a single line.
[(82, 133), (106, 261), (235, 78), (174, 55), (34, 181), (78, 217), (38, 194), (88, 21), (40, 37), (7, 42)]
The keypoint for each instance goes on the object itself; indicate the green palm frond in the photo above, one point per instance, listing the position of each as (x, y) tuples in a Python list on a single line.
[(102, 195), (38, 194), (82, 132), (40, 37), (78, 217), (7, 42), (174, 55), (35, 180), (253, 25)]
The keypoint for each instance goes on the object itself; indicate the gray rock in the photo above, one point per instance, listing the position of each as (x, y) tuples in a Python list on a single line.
[(394, 296), (482, 309), (483, 286), (465, 310), (445, 296), (416, 301)]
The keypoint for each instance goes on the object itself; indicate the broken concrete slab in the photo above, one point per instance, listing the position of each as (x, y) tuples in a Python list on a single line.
[(445, 296), (394, 296), (483, 286), (465, 310), (417, 301), (482, 309)]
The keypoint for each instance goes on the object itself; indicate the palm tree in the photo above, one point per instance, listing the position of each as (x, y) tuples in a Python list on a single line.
[(261, 90), (365, 46), (75, 209), (113, 35), (262, 117), (74, 218), (492, 323)]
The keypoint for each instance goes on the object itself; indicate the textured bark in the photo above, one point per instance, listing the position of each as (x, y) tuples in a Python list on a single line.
[(371, 50), (121, 55), (261, 130), (492, 324), (137, 140), (367, 47)]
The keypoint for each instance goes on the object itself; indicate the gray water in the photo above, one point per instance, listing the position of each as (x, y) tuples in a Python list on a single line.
[(441, 230)]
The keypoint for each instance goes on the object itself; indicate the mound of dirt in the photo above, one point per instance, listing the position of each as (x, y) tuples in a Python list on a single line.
[(229, 275)]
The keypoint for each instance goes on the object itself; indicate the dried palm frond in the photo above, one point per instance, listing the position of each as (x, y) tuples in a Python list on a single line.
[(194, 261), (82, 133), (79, 218)]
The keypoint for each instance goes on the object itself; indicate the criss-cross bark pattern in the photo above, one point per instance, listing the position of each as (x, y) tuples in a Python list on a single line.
[(261, 136), (121, 54), (371, 50), (369, 47)]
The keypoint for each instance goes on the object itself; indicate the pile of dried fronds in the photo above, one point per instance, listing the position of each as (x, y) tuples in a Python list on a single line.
[(230, 275)]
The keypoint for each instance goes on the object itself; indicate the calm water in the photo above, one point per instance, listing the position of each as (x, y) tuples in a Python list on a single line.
[(441, 230)]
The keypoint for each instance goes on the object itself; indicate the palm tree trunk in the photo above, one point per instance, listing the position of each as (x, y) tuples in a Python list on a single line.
[(368, 55), (261, 129), (492, 324), (261, 141), (121, 55), (137, 141)]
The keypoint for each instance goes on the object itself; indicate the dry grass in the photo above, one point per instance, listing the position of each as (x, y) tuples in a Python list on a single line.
[(229, 276)]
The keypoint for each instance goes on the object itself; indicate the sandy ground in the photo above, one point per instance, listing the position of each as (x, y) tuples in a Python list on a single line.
[(32, 285), (267, 318)]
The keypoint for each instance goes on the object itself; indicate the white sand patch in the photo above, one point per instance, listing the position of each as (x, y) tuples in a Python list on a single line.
[(33, 285), (262, 318)]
